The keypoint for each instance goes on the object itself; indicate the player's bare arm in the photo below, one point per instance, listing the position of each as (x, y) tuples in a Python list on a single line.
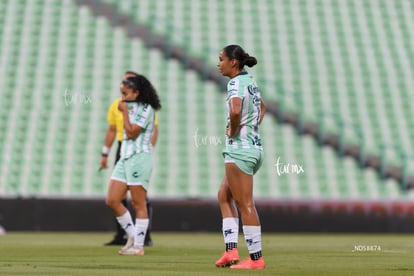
[(235, 117), (109, 140)]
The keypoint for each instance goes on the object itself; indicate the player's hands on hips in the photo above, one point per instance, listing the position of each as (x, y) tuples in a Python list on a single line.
[(228, 131), (122, 106)]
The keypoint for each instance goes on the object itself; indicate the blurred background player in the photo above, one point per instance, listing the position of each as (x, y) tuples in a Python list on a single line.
[(115, 129), (133, 170), (243, 157)]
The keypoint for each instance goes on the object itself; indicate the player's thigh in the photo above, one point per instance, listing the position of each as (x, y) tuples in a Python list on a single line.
[(224, 193), (139, 200), (240, 184), (117, 186), (116, 192)]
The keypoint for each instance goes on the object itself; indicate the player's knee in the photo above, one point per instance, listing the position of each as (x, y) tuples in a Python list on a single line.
[(139, 204), (111, 202), (219, 195), (108, 202), (223, 196), (245, 206)]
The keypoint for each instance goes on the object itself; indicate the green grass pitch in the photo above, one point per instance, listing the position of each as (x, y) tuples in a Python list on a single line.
[(56, 253)]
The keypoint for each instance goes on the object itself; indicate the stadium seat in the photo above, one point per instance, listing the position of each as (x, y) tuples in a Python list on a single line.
[(345, 65)]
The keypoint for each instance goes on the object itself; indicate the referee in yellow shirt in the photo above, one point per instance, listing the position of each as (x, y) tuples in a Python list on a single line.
[(115, 129)]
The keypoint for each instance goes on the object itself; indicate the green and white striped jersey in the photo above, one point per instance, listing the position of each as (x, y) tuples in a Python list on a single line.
[(244, 87), (143, 116)]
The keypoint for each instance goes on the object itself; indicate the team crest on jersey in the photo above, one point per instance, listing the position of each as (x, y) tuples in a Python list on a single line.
[(253, 89)]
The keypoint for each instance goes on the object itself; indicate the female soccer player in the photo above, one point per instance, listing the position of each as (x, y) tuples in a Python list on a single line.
[(133, 171), (242, 159), (115, 131)]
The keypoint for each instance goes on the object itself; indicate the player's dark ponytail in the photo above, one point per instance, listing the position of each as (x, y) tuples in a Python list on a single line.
[(237, 52)]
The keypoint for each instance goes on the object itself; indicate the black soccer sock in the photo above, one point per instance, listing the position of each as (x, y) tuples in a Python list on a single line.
[(230, 246), (148, 240), (256, 255)]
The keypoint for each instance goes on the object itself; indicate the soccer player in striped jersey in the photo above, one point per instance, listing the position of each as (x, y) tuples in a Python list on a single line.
[(133, 171), (242, 157), (115, 131)]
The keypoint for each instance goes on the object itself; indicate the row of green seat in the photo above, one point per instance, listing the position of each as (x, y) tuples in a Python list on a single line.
[(55, 142), (331, 55)]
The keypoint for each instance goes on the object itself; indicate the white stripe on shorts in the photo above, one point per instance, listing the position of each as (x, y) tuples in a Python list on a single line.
[(119, 179), (135, 184)]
